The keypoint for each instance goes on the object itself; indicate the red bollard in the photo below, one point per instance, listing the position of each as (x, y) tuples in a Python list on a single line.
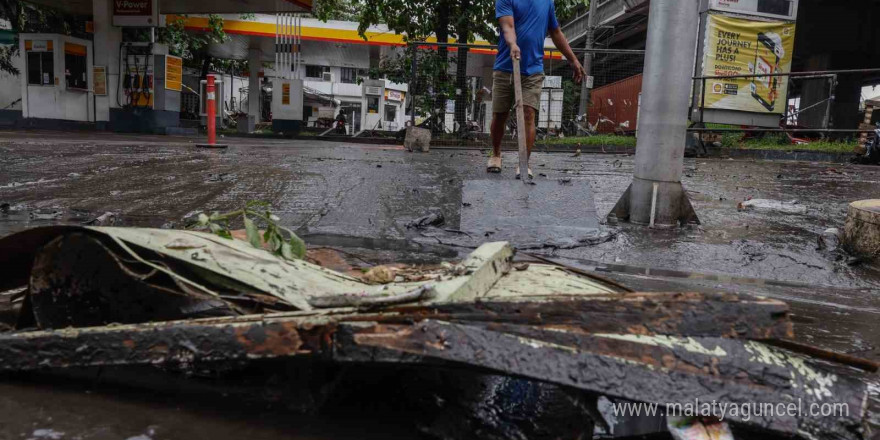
[(211, 104)]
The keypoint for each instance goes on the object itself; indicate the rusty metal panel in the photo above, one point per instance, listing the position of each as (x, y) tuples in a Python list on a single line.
[(614, 107)]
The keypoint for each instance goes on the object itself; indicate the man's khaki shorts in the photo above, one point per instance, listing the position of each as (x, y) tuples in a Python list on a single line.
[(503, 97)]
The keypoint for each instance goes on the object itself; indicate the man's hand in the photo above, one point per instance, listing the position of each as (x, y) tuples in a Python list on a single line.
[(577, 70), (562, 44), (515, 53)]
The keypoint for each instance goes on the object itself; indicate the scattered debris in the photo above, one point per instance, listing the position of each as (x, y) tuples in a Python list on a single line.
[(433, 219), (829, 239), (42, 215), (379, 275), (691, 428), (527, 335), (4, 208), (790, 207), (105, 219), (577, 153)]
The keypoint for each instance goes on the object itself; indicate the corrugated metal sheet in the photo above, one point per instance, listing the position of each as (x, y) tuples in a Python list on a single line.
[(615, 107)]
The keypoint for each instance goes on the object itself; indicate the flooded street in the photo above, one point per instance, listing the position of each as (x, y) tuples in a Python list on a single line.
[(362, 197)]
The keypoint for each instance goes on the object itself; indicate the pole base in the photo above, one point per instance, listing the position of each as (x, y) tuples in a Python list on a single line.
[(655, 204), (212, 145)]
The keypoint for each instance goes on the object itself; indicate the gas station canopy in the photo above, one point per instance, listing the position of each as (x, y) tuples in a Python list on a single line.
[(84, 7)]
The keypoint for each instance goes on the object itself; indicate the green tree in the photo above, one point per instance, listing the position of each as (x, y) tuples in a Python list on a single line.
[(192, 45), (419, 19), (25, 17)]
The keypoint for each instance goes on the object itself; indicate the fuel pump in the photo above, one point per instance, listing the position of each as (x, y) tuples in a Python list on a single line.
[(136, 65)]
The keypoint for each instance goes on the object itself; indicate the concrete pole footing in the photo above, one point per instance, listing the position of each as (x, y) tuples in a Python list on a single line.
[(655, 204)]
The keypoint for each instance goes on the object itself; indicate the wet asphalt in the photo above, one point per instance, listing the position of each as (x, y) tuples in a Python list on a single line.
[(365, 196)]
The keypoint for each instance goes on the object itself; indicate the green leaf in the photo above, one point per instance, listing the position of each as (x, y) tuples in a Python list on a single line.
[(203, 219), (275, 243), (287, 251), (253, 234), (270, 229), (298, 246)]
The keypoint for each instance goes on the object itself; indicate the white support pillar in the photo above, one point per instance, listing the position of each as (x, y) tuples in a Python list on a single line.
[(656, 196), (106, 53), (255, 63)]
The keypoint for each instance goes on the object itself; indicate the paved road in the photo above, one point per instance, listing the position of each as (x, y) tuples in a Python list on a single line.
[(372, 192)]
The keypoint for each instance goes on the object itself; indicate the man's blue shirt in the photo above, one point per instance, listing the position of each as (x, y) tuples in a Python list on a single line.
[(532, 20)]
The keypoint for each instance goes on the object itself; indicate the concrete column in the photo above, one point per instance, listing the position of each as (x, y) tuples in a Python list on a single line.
[(813, 92), (106, 53), (656, 196), (255, 64)]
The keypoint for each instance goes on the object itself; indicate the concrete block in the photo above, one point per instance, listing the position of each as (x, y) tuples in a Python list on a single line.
[(861, 234), (417, 139), (245, 123)]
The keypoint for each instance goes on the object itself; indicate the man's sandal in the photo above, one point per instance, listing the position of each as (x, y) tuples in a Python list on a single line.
[(494, 165)]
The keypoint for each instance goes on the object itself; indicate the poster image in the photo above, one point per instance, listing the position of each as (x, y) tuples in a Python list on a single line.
[(173, 73), (736, 46)]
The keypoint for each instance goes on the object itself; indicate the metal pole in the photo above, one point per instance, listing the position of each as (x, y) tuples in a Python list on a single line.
[(666, 89), (210, 89), (826, 123), (588, 58)]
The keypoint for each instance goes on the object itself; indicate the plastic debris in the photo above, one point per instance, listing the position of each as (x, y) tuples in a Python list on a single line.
[(790, 207)]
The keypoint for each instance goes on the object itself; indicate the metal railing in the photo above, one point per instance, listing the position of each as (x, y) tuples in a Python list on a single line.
[(459, 108)]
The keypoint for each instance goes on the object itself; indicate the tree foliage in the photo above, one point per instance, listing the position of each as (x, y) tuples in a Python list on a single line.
[(25, 17), (417, 20)]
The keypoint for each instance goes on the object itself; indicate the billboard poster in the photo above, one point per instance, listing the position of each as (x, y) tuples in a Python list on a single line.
[(99, 78), (173, 73), (737, 46)]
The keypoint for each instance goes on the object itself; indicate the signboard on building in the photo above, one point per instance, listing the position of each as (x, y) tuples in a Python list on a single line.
[(173, 73), (38, 45), (99, 78), (781, 9), (393, 95), (136, 13), (285, 93), (737, 46)]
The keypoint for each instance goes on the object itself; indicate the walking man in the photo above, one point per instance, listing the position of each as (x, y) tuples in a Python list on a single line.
[(524, 25)]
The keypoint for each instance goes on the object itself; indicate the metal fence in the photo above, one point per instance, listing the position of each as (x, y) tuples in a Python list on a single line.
[(808, 101), (450, 88)]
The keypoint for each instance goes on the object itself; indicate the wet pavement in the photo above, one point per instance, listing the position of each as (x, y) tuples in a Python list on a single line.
[(363, 197)]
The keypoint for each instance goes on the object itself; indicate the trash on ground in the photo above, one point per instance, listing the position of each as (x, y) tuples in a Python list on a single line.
[(829, 239), (433, 219), (533, 345), (789, 207)]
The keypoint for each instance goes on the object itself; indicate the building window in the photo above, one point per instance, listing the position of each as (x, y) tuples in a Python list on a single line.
[(75, 66), (316, 71), (372, 104), (390, 113), (350, 75), (40, 68)]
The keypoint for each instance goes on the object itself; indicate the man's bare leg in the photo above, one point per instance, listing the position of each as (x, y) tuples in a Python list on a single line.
[(499, 121)]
